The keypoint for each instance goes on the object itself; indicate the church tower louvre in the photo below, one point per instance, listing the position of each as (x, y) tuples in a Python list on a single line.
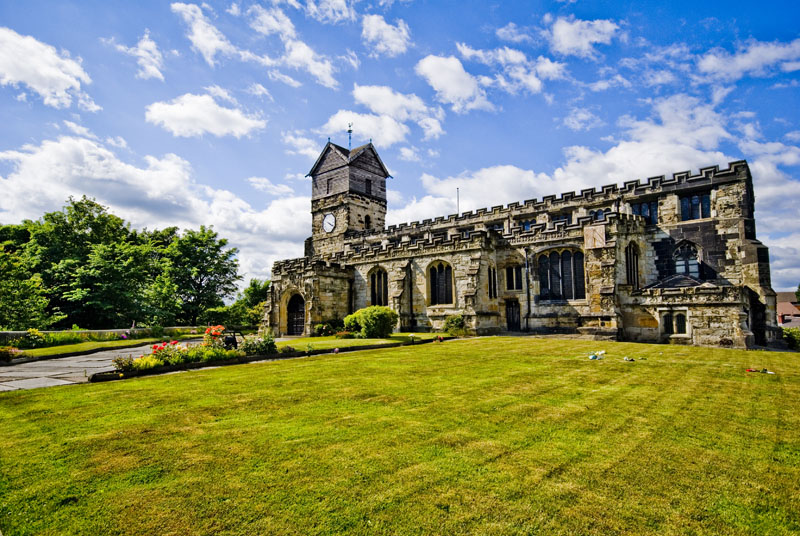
[(348, 196)]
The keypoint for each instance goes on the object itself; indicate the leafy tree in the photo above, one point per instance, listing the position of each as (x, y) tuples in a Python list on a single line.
[(109, 286), (255, 293), (203, 271), (60, 242), (23, 303)]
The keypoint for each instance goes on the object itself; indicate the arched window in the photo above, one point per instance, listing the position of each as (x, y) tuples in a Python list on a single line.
[(680, 323), (632, 265), (544, 277), (379, 287), (513, 277), (667, 323), (441, 280), (367, 222), (686, 262), (561, 276)]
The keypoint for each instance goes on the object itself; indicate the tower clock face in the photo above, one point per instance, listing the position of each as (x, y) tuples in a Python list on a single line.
[(328, 222)]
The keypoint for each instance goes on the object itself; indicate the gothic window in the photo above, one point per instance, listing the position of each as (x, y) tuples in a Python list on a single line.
[(686, 262), (544, 277), (667, 323), (694, 207), (514, 277), (441, 282), (561, 276), (367, 222), (526, 224), (680, 323), (492, 283), (368, 186), (647, 210), (379, 288), (632, 265)]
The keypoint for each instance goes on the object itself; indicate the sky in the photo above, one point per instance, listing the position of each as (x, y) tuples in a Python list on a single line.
[(187, 114)]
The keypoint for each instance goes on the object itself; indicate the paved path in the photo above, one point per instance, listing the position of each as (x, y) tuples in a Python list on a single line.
[(61, 371), (66, 370)]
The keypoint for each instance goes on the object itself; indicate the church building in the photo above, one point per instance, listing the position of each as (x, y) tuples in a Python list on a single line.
[(672, 260)]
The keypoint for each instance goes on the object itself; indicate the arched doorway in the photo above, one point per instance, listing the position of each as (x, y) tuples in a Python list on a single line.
[(296, 315)]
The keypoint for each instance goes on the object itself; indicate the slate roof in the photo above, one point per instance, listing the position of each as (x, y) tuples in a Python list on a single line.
[(789, 297), (349, 155)]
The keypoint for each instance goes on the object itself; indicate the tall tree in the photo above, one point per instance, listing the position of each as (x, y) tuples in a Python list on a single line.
[(203, 270), (255, 292), (23, 303)]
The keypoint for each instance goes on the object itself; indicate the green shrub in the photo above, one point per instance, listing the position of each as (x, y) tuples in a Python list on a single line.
[(375, 322), (32, 339), (123, 364), (287, 350), (455, 325), (259, 345), (792, 336)]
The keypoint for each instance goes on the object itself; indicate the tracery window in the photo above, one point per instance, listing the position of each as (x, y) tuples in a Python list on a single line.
[(567, 217), (673, 323), (441, 283), (513, 277), (561, 276), (685, 259), (632, 265), (599, 214), (379, 288)]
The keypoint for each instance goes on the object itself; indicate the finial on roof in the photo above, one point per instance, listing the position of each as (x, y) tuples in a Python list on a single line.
[(329, 139), (349, 136)]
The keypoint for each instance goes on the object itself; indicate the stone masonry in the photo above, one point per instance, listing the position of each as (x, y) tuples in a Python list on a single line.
[(672, 260)]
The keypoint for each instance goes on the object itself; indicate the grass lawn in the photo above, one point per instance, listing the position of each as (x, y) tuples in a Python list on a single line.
[(477, 436), (94, 345), (327, 343)]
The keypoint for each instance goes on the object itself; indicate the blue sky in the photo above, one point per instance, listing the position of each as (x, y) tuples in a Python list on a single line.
[(212, 113)]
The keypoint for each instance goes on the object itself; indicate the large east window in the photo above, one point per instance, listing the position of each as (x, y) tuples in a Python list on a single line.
[(441, 283), (561, 276), (696, 206)]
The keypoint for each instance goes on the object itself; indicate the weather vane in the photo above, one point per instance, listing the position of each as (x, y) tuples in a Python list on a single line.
[(349, 136)]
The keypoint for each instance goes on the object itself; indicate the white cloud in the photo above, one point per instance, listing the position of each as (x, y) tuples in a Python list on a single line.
[(148, 57), (383, 37), (581, 119), (453, 85), (615, 81), (257, 90), (160, 194), (793, 135), (753, 57), (263, 184), (195, 115), (271, 21), (575, 37), (409, 154), (278, 76), (80, 130), (351, 58), (55, 77), (383, 100), (300, 56), (205, 37), (234, 10), (117, 141), (330, 11), (300, 144), (384, 131), (513, 33), (658, 77), (220, 93)]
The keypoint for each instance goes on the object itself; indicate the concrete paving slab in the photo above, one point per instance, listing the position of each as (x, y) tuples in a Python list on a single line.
[(4, 387), (33, 383)]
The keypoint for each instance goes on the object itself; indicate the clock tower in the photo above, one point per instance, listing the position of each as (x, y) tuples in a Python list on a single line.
[(348, 196)]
